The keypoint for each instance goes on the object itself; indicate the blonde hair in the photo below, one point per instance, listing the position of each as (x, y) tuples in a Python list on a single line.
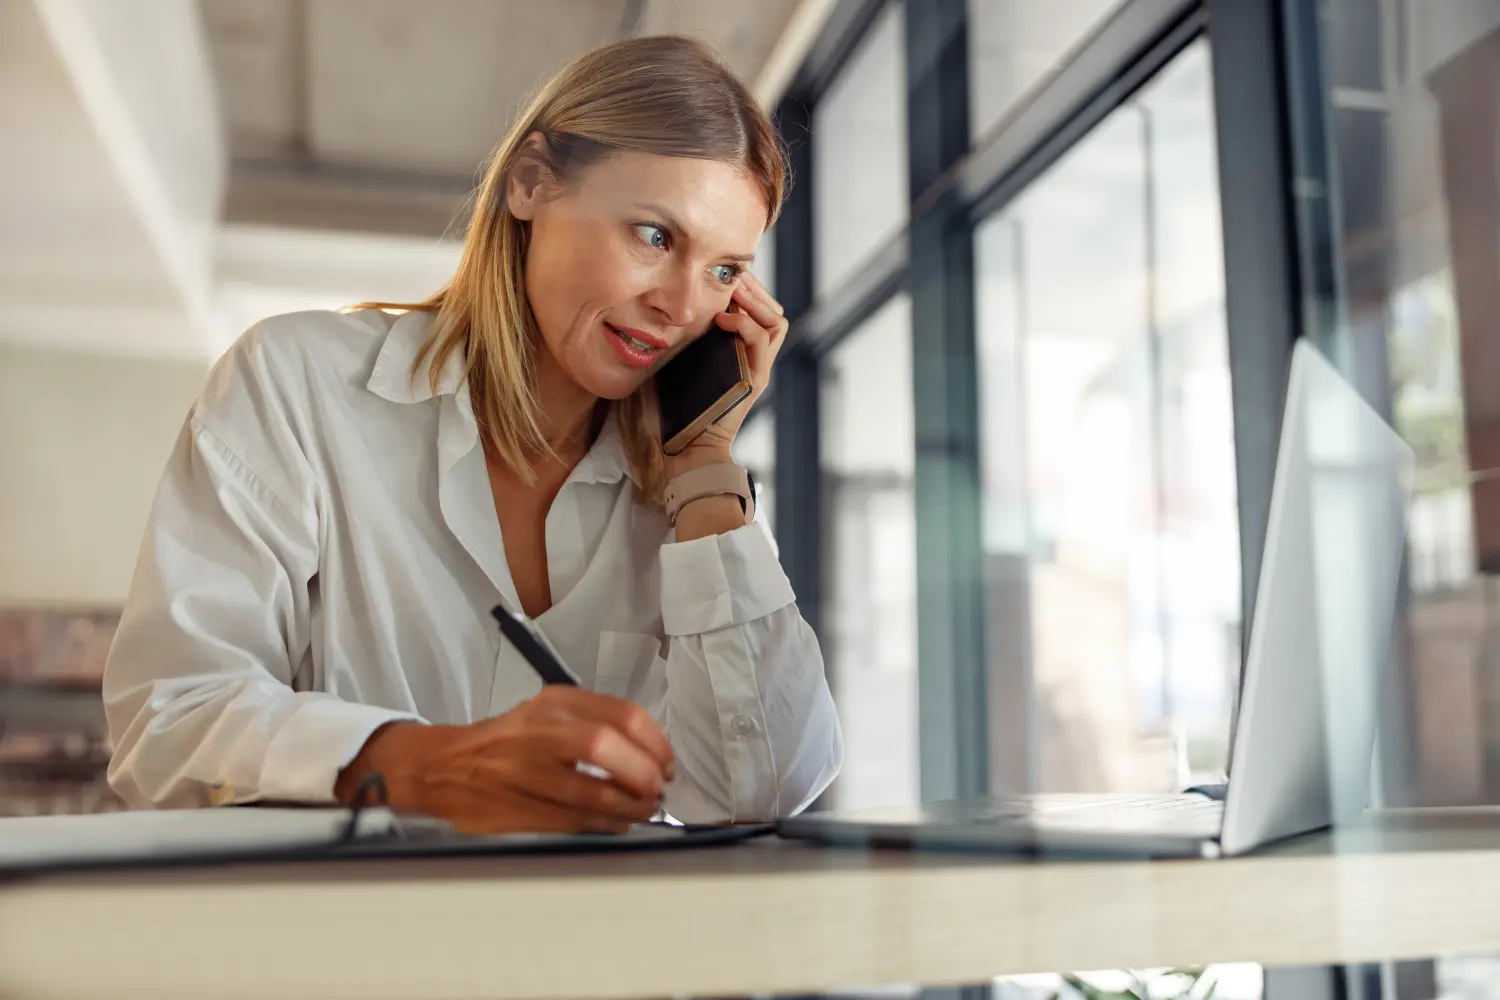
[(666, 95)]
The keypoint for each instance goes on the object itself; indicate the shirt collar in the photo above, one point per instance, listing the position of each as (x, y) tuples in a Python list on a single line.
[(392, 376), (605, 461), (392, 379)]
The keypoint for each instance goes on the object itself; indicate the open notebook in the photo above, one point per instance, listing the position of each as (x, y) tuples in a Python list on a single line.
[(35, 844)]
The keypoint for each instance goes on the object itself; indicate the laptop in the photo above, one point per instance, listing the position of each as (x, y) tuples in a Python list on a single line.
[(1320, 635)]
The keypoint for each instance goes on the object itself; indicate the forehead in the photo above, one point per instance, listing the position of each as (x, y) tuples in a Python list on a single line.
[(710, 198)]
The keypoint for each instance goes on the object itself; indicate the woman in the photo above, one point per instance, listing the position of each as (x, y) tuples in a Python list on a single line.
[(353, 492)]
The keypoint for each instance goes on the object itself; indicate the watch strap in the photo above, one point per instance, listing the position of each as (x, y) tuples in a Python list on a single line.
[(708, 481)]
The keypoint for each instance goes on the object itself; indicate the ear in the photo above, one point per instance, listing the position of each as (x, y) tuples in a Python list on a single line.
[(526, 180)]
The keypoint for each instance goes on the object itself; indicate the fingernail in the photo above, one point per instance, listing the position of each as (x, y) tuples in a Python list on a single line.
[(671, 771)]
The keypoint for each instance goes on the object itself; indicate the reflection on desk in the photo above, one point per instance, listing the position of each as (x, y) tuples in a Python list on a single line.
[(766, 917)]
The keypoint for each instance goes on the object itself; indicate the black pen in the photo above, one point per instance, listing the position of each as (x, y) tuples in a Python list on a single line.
[(547, 666), (551, 670)]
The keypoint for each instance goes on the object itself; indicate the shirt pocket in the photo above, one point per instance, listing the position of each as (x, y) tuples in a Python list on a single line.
[(630, 666)]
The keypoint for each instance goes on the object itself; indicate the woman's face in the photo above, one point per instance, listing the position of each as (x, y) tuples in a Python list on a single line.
[(632, 260)]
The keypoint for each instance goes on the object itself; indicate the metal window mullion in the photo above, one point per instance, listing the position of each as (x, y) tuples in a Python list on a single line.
[(951, 667)]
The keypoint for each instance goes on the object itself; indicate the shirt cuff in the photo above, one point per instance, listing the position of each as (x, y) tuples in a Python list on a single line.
[(721, 581), (315, 743)]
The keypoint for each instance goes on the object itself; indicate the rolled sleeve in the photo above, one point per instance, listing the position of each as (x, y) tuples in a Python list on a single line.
[(721, 581), (748, 709), (315, 743), (198, 683)]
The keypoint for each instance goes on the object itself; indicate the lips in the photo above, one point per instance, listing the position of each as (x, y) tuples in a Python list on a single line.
[(636, 348)]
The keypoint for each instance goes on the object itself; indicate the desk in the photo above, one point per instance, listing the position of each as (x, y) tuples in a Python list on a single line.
[(765, 917)]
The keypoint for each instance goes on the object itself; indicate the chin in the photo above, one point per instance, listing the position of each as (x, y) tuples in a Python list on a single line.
[(614, 385)]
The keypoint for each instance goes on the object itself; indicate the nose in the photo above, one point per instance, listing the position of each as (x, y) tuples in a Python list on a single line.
[(675, 297)]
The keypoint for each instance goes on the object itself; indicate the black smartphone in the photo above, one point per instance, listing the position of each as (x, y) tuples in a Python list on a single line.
[(710, 377)]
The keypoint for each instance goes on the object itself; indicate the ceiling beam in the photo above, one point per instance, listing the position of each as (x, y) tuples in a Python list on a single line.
[(143, 78), (303, 196), (744, 35), (791, 48)]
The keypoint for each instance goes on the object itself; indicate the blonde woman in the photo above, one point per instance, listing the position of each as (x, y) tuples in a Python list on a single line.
[(353, 492)]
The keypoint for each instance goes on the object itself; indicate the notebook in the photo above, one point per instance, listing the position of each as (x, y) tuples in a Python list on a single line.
[(227, 834)]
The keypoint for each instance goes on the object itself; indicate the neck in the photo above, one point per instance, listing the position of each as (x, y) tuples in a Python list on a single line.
[(567, 411)]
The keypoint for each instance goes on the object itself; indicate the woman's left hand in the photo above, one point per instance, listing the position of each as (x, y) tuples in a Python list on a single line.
[(761, 323)]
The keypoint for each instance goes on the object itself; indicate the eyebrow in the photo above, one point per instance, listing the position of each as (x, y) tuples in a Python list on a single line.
[(672, 223)]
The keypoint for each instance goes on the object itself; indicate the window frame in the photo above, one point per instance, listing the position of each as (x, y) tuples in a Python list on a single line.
[(1257, 51), (956, 182)]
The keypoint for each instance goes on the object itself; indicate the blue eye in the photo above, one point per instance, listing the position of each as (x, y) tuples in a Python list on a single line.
[(726, 273), (652, 236)]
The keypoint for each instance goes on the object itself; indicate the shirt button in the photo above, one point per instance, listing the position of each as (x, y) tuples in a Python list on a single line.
[(742, 725)]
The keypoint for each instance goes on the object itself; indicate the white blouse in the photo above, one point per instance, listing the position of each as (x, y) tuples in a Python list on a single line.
[(322, 558)]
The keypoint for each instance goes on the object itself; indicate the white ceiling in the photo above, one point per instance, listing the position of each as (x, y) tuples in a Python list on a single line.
[(430, 86), (173, 173), (380, 112), (389, 83)]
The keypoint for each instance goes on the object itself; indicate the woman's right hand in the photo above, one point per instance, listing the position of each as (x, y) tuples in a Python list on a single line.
[(518, 771)]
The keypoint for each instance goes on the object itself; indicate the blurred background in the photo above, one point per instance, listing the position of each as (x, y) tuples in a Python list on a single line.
[(1045, 261), (170, 173)]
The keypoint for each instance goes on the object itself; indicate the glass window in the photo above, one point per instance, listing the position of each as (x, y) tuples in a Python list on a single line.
[(1111, 531), (859, 168), (870, 626), (755, 448), (1013, 44), (1409, 95)]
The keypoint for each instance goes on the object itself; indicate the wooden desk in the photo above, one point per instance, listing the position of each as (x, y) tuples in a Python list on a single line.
[(767, 917)]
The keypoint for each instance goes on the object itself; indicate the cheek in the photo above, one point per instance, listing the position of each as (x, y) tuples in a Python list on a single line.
[(616, 273), (572, 276)]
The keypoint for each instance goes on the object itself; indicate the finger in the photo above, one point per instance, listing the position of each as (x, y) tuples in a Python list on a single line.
[(777, 338), (743, 324), (758, 291), (562, 784), (765, 292), (757, 341), (759, 307), (478, 799), (775, 325), (763, 308), (605, 747), (626, 716)]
